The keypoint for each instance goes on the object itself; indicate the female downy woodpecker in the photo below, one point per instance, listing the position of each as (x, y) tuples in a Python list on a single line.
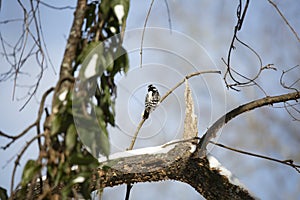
[(151, 101)]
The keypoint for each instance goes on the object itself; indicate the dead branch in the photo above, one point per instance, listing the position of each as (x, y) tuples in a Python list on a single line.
[(292, 85), (178, 164), (36, 123), (212, 131), (284, 19), (143, 34), (56, 7), (185, 78), (285, 162)]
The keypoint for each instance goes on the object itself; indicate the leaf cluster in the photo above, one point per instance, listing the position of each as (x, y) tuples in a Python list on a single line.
[(78, 130)]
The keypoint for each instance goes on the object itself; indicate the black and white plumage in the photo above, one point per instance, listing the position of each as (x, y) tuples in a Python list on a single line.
[(151, 101)]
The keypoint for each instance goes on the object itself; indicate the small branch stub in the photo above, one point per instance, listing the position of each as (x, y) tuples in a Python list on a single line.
[(191, 120)]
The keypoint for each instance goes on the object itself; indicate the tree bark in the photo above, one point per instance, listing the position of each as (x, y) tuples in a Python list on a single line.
[(178, 164)]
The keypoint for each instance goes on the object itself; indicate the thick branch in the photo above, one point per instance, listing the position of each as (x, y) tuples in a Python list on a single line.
[(212, 131), (66, 67), (73, 40), (178, 164)]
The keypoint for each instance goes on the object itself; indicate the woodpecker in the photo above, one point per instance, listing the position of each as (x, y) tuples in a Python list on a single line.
[(151, 100)]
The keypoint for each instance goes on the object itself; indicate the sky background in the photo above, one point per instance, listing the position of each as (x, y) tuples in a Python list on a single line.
[(201, 35)]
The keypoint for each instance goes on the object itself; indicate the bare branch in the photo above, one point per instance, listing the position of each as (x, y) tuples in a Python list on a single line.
[(17, 161), (288, 106), (136, 134), (143, 34), (56, 7), (169, 15), (36, 123), (18, 54), (165, 96), (14, 138), (285, 162), (232, 47), (212, 131), (73, 40), (187, 77), (11, 20), (291, 86), (285, 20), (66, 67)]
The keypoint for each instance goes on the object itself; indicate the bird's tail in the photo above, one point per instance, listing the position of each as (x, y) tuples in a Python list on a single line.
[(146, 113)]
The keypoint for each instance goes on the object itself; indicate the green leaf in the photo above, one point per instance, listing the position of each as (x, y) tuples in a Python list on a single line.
[(56, 124), (125, 4), (109, 61), (86, 51), (3, 194), (61, 173), (31, 169), (93, 61), (79, 159), (82, 179), (104, 143), (71, 138), (122, 61), (105, 8), (85, 188)]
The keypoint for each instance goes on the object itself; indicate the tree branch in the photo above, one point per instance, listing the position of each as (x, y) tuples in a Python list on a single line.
[(17, 161), (212, 131), (36, 123), (178, 164), (165, 96), (285, 162), (285, 20), (73, 40), (66, 67)]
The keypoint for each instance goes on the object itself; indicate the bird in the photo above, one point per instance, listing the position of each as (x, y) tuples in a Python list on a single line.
[(151, 101)]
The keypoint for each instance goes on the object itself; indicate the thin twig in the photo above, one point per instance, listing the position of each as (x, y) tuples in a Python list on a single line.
[(128, 189), (38, 43), (129, 186), (230, 72), (165, 96), (285, 162), (232, 47), (284, 19), (14, 138), (136, 133), (17, 161), (290, 112), (36, 123), (56, 7), (143, 33), (290, 87), (191, 140), (187, 77), (169, 16), (6, 135), (42, 103)]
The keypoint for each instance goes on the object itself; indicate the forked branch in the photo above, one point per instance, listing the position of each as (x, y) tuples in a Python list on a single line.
[(212, 131)]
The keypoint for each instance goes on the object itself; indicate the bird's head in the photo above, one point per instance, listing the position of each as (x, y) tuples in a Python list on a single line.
[(151, 88)]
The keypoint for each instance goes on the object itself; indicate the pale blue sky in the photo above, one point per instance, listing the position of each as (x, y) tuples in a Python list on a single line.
[(210, 24)]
